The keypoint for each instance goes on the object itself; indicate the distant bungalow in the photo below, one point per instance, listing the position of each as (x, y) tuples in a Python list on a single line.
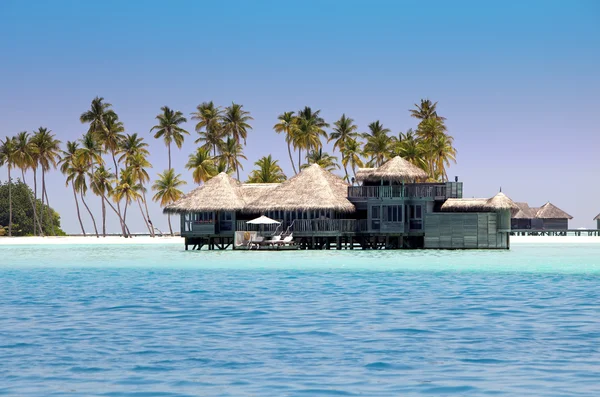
[(597, 219), (392, 208), (546, 217)]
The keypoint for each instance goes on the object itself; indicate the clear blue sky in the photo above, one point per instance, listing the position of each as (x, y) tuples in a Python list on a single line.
[(519, 81)]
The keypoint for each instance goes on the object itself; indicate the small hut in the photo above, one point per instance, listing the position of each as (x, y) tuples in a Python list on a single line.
[(597, 219), (500, 203), (394, 171), (524, 216), (552, 218), (211, 207), (312, 194)]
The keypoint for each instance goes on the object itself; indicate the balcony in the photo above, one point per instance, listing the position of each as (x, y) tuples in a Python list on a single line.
[(436, 191)]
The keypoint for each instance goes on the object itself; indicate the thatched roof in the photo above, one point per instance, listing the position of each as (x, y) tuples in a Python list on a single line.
[(550, 211), (220, 193), (396, 169), (312, 189), (524, 212), (597, 217), (496, 203), (252, 191)]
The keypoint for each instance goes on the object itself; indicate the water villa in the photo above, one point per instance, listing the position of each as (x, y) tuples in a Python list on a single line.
[(392, 207), (546, 217), (597, 219)]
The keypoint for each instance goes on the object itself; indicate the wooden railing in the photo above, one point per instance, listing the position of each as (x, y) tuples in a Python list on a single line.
[(433, 190), (309, 226)]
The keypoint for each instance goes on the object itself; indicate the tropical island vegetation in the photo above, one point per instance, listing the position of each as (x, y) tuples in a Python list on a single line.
[(113, 164)]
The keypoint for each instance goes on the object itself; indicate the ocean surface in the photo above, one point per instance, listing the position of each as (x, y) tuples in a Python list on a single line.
[(159, 321)]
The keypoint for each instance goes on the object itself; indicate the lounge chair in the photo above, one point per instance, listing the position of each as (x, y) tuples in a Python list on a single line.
[(256, 242)]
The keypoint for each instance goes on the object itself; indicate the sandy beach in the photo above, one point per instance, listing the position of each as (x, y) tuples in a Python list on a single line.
[(136, 240), (90, 240)]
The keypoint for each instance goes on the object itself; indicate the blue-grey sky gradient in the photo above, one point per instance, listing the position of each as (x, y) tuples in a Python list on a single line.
[(518, 81)]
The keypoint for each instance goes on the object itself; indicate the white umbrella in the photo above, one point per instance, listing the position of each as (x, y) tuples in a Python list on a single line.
[(263, 220)]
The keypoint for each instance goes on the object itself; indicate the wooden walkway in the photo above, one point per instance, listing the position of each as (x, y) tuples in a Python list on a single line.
[(568, 232)]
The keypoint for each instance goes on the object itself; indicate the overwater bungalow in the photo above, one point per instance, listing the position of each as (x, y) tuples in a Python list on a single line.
[(546, 217), (390, 207), (597, 219)]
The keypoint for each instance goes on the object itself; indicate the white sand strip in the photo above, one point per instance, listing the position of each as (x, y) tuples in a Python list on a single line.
[(554, 240), (89, 240)]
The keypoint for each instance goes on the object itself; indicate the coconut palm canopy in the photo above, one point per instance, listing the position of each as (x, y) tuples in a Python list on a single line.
[(221, 193), (312, 189), (396, 169), (550, 211), (496, 203)]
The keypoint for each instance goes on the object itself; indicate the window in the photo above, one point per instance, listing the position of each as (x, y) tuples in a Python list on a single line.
[(416, 211), (203, 217), (392, 213), (375, 213)]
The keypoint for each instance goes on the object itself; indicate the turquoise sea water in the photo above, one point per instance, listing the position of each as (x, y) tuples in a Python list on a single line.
[(159, 321)]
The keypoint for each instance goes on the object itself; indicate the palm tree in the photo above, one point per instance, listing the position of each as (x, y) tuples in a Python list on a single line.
[(96, 115), (286, 125), (411, 149), (167, 190), (343, 130), (426, 110), (235, 122), (378, 144), (202, 165), (48, 149), (308, 130), (168, 128), (127, 189), (137, 167), (351, 154), (232, 152), (8, 156), (209, 119), (442, 153), (101, 186), (428, 131), (26, 150), (111, 137), (75, 167), (222, 166), (132, 145), (268, 171), (324, 160)]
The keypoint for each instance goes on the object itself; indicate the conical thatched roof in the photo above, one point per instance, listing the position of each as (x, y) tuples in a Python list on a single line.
[(396, 169), (496, 203), (220, 193), (502, 202), (313, 188), (550, 211), (524, 212)]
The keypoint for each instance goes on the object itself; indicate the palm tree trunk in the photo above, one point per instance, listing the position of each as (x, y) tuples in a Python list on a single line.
[(123, 225), (148, 214), (169, 149), (45, 193), (42, 209), (32, 204), (291, 159), (40, 224), (77, 206), (170, 228), (143, 217), (118, 214), (124, 219), (91, 215), (9, 204), (103, 217)]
